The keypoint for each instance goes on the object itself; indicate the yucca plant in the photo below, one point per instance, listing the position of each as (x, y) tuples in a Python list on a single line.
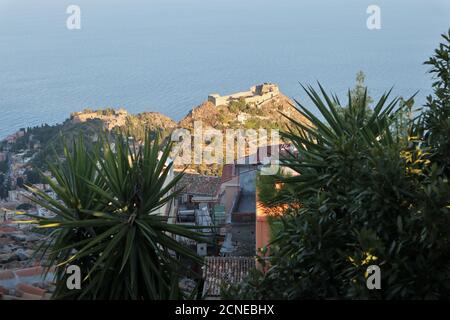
[(341, 130), (108, 221)]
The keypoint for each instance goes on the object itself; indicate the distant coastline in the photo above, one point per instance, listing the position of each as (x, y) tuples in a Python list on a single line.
[(165, 64), (239, 108)]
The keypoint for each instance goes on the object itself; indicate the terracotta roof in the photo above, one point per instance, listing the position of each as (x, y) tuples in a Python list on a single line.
[(28, 272), (4, 241), (7, 229), (6, 275), (29, 296), (220, 271), (198, 184), (29, 289), (19, 284)]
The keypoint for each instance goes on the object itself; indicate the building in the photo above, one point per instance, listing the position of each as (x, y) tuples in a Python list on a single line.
[(168, 209), (238, 196), (6, 214), (224, 271), (196, 190), (32, 283), (255, 96), (111, 118), (13, 195), (247, 228), (196, 205), (229, 190)]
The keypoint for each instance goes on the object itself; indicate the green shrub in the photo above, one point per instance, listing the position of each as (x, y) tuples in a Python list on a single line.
[(367, 198), (107, 222)]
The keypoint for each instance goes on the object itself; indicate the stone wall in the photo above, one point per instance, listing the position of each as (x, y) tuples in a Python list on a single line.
[(256, 95), (118, 119)]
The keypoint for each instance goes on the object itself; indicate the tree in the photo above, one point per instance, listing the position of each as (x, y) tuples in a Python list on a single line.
[(20, 182), (357, 94), (366, 198), (401, 127), (32, 176), (238, 105), (107, 221), (435, 121), (3, 191), (360, 89), (4, 166)]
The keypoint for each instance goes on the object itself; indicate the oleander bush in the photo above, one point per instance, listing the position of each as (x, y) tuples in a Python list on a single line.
[(367, 198)]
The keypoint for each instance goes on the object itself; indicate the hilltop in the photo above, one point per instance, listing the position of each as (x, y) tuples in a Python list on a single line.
[(113, 119), (43, 141), (239, 114), (262, 106)]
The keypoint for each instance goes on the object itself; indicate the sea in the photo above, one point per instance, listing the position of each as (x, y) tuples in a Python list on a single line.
[(168, 55)]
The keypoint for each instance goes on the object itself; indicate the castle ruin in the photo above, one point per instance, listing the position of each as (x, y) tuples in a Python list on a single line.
[(111, 118), (255, 96)]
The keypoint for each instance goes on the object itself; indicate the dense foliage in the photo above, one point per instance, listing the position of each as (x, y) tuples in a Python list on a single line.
[(3, 166), (107, 222), (367, 198), (436, 119)]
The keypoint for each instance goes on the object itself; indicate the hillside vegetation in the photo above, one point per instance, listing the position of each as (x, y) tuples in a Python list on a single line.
[(46, 140)]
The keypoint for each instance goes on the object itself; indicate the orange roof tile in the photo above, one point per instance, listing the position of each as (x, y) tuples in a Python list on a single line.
[(29, 296), (7, 229), (28, 272), (7, 274), (26, 288)]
